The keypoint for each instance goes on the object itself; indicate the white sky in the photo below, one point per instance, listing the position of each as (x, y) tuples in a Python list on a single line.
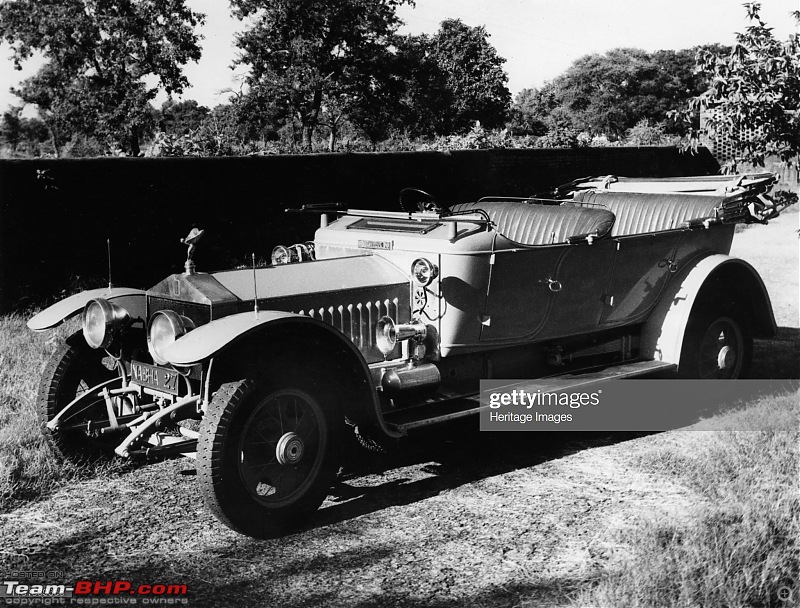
[(539, 38)]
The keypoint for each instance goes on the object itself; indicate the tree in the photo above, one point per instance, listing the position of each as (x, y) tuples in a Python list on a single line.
[(98, 55), (21, 133), (421, 102), (754, 94), (448, 82), (34, 133), (475, 79), (48, 91), (531, 110), (378, 113), (306, 56), (11, 127), (180, 117), (609, 94)]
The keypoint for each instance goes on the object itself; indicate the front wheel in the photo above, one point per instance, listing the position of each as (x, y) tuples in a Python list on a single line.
[(716, 346), (71, 371), (267, 456)]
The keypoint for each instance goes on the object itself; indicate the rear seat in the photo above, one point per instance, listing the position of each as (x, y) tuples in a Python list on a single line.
[(642, 213), (542, 224)]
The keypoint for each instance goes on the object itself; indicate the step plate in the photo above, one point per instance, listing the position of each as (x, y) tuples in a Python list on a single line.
[(470, 405)]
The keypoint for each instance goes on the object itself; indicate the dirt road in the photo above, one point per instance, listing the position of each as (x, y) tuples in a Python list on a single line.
[(476, 519)]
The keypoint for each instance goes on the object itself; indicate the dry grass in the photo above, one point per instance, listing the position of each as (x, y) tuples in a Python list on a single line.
[(28, 466), (742, 542)]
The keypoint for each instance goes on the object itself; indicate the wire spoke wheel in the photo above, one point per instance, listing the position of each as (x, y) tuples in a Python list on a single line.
[(70, 372), (279, 450), (267, 456)]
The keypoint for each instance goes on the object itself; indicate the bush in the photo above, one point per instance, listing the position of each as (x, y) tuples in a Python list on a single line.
[(645, 134), (83, 147), (480, 139)]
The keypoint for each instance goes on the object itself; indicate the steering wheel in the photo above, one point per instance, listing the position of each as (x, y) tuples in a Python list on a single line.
[(414, 199)]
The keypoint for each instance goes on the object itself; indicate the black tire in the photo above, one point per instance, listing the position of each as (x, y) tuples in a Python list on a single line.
[(70, 371), (717, 345), (266, 492)]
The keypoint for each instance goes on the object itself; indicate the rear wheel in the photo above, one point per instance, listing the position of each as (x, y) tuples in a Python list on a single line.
[(70, 372), (717, 346), (267, 455)]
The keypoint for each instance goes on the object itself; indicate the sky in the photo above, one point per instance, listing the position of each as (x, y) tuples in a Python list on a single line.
[(540, 39)]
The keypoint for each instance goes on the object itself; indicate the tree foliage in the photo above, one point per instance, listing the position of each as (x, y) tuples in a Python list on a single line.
[(474, 76), (425, 98), (11, 127), (754, 95), (27, 136), (609, 94), (180, 117), (100, 56), (343, 67), (314, 57)]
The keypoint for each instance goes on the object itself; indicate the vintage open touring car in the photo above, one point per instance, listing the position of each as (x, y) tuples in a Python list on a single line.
[(387, 321)]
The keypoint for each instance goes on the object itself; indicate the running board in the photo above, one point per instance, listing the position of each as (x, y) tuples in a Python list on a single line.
[(413, 418)]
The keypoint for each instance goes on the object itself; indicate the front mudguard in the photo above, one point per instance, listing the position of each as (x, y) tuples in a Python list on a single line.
[(132, 300), (220, 337), (662, 336)]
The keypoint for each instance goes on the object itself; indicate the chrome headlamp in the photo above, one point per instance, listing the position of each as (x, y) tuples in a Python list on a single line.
[(299, 252), (424, 272), (103, 322), (165, 327), (283, 255), (388, 333)]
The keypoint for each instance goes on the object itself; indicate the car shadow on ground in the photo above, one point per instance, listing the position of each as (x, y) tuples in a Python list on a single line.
[(779, 356), (444, 457), (447, 456)]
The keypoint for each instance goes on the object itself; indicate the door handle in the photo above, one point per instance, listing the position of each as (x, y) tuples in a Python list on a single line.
[(552, 285)]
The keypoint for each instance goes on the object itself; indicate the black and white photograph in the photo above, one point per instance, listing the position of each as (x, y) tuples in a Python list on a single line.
[(400, 303)]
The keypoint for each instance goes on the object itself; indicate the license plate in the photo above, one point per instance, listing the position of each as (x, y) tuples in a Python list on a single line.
[(157, 378)]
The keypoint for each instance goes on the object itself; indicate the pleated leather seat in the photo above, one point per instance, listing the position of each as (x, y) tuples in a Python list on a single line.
[(641, 213), (542, 224)]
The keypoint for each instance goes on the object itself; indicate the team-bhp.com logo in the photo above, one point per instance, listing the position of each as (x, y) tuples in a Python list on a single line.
[(95, 593)]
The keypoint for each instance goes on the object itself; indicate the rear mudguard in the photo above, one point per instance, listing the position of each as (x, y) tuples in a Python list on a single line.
[(132, 300), (215, 337), (663, 333)]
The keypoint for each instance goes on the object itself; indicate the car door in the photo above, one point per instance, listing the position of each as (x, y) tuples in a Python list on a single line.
[(642, 267), (546, 291)]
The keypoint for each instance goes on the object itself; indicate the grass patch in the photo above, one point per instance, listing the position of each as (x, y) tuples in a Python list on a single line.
[(28, 466), (742, 543)]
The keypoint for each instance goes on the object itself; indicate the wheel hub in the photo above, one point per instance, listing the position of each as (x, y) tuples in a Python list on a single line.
[(290, 449), (726, 357)]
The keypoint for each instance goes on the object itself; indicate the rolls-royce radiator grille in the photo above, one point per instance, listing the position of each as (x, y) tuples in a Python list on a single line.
[(356, 321)]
